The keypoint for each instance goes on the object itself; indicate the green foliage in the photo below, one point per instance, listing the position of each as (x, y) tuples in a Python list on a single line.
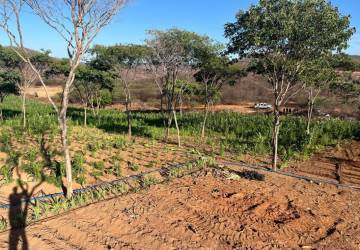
[(215, 70), (99, 168), (117, 171), (5, 141), (6, 173), (8, 58), (105, 98), (133, 166), (282, 36), (319, 73), (8, 83), (3, 224), (181, 44), (35, 169), (149, 180), (125, 56), (227, 132), (293, 28), (78, 168), (32, 154)]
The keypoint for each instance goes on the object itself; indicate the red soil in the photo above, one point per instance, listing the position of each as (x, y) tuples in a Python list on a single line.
[(209, 211)]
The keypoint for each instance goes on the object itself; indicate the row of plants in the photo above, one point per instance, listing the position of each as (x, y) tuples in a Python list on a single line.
[(240, 133), (42, 209), (235, 132)]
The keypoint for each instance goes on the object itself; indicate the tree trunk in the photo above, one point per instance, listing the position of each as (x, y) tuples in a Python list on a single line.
[(168, 117), (310, 111), (63, 128), (129, 118), (128, 108), (275, 140), (177, 127), (162, 109), (181, 105), (206, 111), (92, 106), (23, 107), (66, 152), (85, 115), (168, 125)]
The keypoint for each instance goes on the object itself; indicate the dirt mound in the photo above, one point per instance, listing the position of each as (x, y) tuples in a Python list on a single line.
[(339, 163), (209, 211)]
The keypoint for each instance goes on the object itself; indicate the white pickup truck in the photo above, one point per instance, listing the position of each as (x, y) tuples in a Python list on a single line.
[(263, 105)]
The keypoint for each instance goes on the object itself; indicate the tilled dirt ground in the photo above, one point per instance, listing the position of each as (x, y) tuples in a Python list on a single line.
[(209, 211), (339, 163)]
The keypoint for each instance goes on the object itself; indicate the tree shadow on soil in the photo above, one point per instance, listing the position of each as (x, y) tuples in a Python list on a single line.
[(20, 199), (54, 165), (6, 114)]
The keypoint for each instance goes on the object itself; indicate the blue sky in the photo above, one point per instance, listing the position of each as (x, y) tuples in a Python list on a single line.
[(202, 16)]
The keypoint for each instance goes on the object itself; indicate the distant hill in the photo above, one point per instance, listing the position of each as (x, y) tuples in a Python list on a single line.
[(355, 58)]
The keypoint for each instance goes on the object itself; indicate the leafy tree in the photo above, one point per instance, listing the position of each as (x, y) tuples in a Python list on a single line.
[(214, 70), (125, 61), (89, 86), (279, 36), (344, 62), (346, 86), (8, 85), (318, 75), (9, 60), (58, 67), (171, 61)]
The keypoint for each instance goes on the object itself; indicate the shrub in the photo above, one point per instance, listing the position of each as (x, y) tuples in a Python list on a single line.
[(6, 173), (133, 166), (78, 169)]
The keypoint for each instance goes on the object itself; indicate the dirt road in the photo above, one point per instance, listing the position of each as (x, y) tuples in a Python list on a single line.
[(209, 211)]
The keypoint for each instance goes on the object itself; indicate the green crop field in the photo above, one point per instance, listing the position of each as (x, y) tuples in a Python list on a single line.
[(227, 133)]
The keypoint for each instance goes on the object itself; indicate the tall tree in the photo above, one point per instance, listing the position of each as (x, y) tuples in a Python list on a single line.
[(279, 36), (78, 22), (126, 61), (171, 60)]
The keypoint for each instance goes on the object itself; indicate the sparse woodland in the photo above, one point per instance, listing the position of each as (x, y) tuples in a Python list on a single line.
[(77, 139)]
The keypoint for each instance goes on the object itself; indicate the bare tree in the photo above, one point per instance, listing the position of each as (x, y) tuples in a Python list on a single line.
[(125, 61), (78, 22)]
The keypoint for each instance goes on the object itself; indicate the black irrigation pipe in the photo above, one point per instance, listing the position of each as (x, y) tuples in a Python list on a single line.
[(300, 177), (163, 169), (169, 167)]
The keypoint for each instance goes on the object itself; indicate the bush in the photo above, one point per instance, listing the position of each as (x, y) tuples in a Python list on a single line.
[(78, 169), (105, 98)]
